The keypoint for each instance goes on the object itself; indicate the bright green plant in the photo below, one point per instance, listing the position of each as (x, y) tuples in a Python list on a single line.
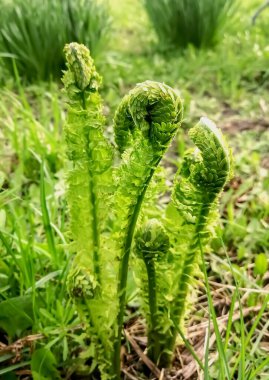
[(198, 183), (34, 33), (152, 245), (105, 195), (145, 123), (201, 179), (179, 23)]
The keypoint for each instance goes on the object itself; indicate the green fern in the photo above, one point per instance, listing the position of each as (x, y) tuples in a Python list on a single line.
[(89, 173), (152, 246), (145, 123), (90, 156), (105, 196), (198, 184), (190, 218)]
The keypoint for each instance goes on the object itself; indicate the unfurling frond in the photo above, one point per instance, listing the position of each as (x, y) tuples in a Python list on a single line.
[(105, 197), (145, 123), (198, 184), (81, 74), (154, 109), (152, 242)]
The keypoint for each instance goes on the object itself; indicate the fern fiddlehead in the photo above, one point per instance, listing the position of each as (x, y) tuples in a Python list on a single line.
[(203, 175), (90, 159), (145, 123), (152, 245)]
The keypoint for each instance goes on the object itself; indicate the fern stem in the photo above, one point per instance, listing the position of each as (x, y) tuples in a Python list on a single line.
[(153, 336), (93, 202), (95, 232), (183, 285), (123, 272), (144, 125)]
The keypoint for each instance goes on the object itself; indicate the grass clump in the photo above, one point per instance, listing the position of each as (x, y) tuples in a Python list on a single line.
[(179, 23), (34, 33)]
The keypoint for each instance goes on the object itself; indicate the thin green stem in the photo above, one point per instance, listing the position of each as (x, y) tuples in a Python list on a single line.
[(46, 218), (190, 349), (123, 273), (96, 240), (183, 286), (224, 367), (153, 336), (93, 202)]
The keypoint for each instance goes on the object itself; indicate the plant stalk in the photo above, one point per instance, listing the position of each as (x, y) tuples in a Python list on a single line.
[(92, 195), (123, 273), (183, 286), (153, 336)]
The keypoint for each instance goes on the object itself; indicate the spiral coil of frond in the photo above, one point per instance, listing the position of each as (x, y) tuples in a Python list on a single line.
[(199, 182), (144, 125)]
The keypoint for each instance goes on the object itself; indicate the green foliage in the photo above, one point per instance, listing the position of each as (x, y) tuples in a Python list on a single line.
[(152, 245), (179, 23), (90, 157), (229, 83), (144, 125), (20, 311), (198, 183), (204, 172), (261, 264), (43, 365), (33, 33)]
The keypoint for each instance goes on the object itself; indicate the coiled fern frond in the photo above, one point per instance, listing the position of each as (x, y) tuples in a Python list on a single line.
[(152, 246), (198, 184), (90, 158), (105, 196), (89, 175), (145, 123), (151, 109)]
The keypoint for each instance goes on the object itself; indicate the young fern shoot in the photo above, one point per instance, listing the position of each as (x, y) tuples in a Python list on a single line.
[(144, 125), (152, 245), (90, 161), (198, 184), (90, 157), (204, 173)]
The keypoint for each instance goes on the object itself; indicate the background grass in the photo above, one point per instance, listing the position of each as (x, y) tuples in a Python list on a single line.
[(228, 84), (33, 33), (179, 23)]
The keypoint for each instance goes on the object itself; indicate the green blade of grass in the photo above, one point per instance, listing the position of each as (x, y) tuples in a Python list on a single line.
[(242, 354), (13, 367), (254, 374), (222, 356), (190, 348), (252, 330), (206, 359), (230, 321), (46, 217)]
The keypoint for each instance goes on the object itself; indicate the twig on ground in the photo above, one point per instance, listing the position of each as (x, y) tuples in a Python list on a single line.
[(155, 370)]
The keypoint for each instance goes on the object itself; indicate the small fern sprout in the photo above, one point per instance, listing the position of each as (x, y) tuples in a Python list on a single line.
[(82, 285), (89, 153), (152, 109), (88, 179), (145, 123), (152, 242), (105, 197), (199, 182), (152, 245)]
